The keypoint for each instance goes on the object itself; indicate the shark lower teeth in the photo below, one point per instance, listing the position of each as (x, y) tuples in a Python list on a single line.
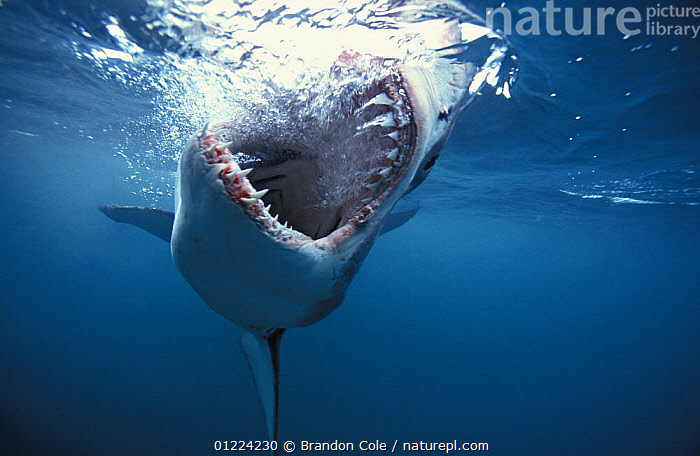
[(241, 189), (238, 187)]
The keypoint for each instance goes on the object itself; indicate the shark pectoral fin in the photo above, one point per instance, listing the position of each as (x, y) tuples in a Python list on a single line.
[(156, 221), (262, 353), (398, 218)]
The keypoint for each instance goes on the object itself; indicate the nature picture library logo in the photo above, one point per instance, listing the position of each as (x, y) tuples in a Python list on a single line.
[(657, 20)]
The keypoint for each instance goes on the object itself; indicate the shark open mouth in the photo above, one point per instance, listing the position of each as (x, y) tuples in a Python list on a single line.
[(303, 177)]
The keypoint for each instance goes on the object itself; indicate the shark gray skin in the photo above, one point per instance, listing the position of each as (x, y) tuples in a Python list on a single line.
[(273, 218)]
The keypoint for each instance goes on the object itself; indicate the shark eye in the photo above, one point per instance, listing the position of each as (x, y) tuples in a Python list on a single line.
[(430, 163)]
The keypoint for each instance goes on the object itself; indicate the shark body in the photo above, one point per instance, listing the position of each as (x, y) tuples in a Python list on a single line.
[(274, 218)]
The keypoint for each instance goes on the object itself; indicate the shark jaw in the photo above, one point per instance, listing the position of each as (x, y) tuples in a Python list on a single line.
[(272, 223)]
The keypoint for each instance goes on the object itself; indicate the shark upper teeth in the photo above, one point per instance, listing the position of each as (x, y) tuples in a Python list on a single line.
[(394, 135), (267, 208), (373, 186), (259, 194), (381, 99), (394, 154), (388, 121), (385, 172), (248, 201)]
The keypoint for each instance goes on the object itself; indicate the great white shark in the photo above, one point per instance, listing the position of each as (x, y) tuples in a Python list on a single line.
[(273, 218)]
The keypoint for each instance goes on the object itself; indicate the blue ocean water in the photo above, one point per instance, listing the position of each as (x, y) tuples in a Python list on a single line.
[(543, 300)]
